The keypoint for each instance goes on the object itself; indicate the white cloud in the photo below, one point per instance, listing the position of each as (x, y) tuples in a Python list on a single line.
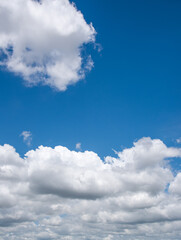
[(78, 146), (109, 237), (42, 41), (27, 137), (175, 186), (178, 140), (55, 193)]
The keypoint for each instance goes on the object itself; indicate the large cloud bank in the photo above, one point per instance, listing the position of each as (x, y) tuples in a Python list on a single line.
[(62, 194), (42, 40)]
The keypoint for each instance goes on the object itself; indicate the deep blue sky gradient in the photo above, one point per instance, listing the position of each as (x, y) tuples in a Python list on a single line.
[(133, 91)]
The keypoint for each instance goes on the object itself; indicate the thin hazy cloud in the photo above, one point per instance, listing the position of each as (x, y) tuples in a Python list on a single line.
[(27, 137)]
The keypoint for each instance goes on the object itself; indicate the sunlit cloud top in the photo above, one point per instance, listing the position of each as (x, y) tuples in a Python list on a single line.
[(46, 48)]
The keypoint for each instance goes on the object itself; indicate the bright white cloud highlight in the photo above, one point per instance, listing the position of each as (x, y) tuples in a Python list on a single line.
[(55, 193), (27, 137), (42, 40)]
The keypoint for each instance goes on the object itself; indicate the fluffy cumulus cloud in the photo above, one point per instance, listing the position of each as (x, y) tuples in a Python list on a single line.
[(42, 41), (55, 193)]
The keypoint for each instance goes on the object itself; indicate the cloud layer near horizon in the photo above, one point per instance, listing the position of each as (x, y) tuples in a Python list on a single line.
[(46, 48), (55, 193)]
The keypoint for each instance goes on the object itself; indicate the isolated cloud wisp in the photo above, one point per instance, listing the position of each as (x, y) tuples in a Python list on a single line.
[(27, 137), (55, 193), (78, 146), (42, 40)]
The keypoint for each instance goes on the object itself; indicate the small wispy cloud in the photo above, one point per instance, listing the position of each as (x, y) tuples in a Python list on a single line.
[(78, 146), (27, 137), (178, 140)]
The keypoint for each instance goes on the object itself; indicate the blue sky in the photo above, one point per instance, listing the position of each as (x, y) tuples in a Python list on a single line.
[(98, 87), (132, 91)]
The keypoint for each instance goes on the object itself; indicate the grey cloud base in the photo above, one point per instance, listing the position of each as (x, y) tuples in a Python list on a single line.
[(62, 194)]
